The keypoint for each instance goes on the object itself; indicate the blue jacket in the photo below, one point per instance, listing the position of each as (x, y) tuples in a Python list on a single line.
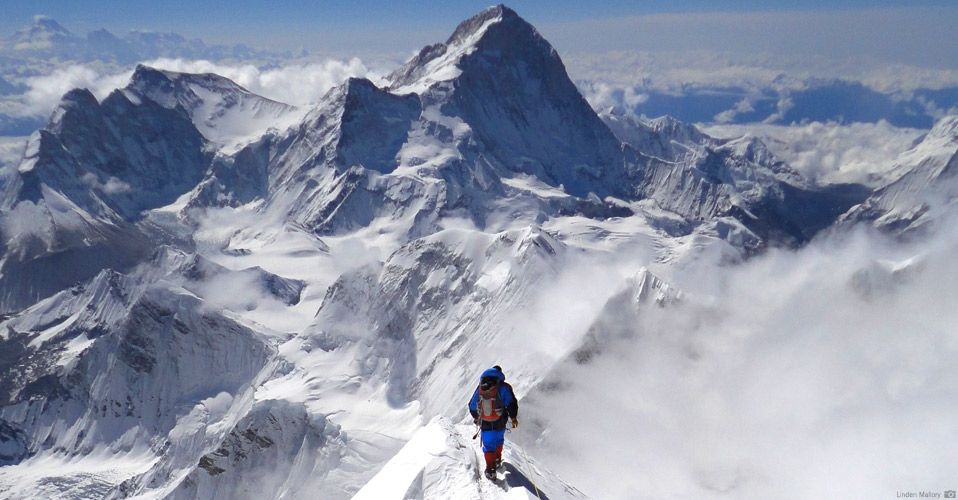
[(506, 395)]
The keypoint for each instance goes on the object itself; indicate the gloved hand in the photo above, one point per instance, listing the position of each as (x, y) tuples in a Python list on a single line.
[(515, 423), (475, 421)]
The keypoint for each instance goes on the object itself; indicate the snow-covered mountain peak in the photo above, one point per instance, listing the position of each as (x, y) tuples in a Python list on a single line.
[(646, 287), (755, 152), (511, 89), (43, 33), (474, 30), (223, 111), (441, 62), (940, 142), (94, 165), (354, 91), (665, 137), (681, 131), (477, 24), (48, 24)]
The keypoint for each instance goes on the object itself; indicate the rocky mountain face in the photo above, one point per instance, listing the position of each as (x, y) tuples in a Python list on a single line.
[(133, 155), (73, 204), (210, 294), (113, 363), (733, 182), (511, 89), (77, 202)]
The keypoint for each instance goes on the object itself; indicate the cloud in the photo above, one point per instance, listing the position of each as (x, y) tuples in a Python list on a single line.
[(112, 185), (234, 291), (11, 150), (44, 92), (294, 83), (607, 78), (831, 152), (828, 368), (783, 106), (600, 95), (297, 83), (743, 106)]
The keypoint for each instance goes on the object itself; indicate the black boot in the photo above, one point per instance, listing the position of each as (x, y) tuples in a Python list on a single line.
[(491, 474)]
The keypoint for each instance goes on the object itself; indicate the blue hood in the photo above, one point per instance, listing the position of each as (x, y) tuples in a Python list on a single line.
[(493, 372)]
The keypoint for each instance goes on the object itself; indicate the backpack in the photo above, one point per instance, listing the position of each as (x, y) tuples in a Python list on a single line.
[(490, 404)]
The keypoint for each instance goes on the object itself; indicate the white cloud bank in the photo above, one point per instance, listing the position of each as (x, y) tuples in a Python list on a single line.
[(635, 74), (830, 369), (44, 92), (11, 149), (296, 83)]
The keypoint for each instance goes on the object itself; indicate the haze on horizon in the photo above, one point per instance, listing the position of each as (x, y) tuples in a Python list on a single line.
[(890, 31)]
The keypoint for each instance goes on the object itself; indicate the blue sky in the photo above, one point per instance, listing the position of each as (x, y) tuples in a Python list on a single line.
[(919, 31), (197, 17)]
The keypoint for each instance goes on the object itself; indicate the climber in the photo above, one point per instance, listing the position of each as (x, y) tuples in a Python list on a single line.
[(491, 406)]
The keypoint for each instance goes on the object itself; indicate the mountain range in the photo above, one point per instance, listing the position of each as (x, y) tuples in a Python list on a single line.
[(47, 39), (211, 294)]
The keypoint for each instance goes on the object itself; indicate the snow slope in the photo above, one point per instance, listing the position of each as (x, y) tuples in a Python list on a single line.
[(921, 186), (443, 461)]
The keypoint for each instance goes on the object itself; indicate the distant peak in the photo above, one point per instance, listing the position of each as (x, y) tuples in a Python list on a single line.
[(42, 19), (101, 34), (671, 126), (47, 23)]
